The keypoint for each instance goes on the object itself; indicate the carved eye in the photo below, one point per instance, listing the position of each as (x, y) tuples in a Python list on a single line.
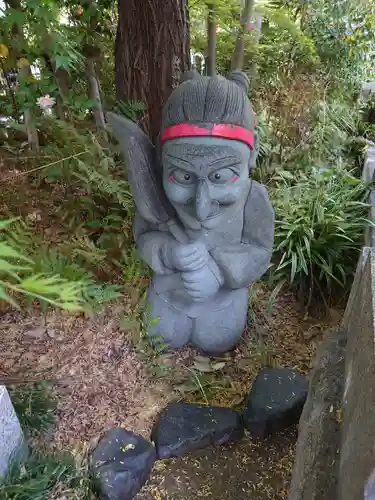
[(222, 176), (183, 177)]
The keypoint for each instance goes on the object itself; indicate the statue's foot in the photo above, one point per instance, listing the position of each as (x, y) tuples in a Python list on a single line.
[(219, 331), (167, 324)]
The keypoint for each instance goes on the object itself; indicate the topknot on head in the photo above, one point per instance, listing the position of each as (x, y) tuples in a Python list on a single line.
[(241, 79), (189, 75), (210, 99)]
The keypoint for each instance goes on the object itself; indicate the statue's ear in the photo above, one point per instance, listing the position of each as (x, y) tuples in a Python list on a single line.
[(241, 79)]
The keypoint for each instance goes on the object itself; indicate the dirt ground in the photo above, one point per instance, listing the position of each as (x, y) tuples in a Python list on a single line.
[(247, 470), (101, 382)]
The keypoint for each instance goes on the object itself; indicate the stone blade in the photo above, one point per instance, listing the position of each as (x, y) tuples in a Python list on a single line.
[(144, 171)]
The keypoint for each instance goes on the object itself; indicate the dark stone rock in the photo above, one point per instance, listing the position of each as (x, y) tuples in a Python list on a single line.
[(183, 428), (275, 401), (121, 464)]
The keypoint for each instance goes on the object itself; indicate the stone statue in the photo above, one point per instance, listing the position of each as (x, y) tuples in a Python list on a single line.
[(202, 225)]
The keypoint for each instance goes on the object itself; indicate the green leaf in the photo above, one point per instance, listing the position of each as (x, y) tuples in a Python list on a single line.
[(8, 251), (7, 298), (294, 267), (95, 224), (72, 306), (154, 322), (4, 224), (7, 267), (63, 62)]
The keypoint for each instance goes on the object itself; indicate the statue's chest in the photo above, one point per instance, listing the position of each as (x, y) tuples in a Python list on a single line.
[(229, 231)]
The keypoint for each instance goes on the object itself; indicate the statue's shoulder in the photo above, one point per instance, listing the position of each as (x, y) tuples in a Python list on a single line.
[(259, 217), (257, 199)]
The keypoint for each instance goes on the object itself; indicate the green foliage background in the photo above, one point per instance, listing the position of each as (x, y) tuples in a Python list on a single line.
[(306, 67)]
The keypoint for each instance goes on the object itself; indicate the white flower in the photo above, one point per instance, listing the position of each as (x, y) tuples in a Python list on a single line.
[(46, 102)]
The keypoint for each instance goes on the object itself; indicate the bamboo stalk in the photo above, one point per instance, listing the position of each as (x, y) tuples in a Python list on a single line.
[(238, 56)]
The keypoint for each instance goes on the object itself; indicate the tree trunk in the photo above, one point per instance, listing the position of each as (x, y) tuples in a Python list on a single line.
[(151, 52), (32, 132), (61, 77), (24, 72), (62, 80), (92, 52), (211, 40), (10, 91), (238, 56), (94, 93)]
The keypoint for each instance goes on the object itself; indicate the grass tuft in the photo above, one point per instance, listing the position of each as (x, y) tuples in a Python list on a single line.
[(35, 405)]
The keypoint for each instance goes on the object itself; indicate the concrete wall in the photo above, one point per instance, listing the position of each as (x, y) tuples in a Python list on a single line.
[(357, 452), (315, 472)]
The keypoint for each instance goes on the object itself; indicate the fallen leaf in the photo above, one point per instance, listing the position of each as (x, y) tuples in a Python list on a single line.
[(51, 332), (127, 447), (36, 333), (218, 366), (203, 367), (4, 51), (202, 359)]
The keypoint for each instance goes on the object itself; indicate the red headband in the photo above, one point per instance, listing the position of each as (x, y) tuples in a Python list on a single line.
[(233, 132)]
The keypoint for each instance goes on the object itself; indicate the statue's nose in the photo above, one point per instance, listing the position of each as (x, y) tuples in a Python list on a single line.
[(202, 200)]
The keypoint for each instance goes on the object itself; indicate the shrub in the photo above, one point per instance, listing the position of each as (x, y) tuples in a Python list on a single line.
[(320, 219)]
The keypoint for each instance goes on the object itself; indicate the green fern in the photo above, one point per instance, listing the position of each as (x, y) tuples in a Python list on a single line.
[(17, 277), (100, 179), (132, 110), (72, 268)]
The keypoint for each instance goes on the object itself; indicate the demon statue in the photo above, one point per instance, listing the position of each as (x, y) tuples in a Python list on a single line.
[(202, 225)]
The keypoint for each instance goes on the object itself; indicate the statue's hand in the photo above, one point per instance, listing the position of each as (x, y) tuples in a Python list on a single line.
[(201, 283), (185, 257)]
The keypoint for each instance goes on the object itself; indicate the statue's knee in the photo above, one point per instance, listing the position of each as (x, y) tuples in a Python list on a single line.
[(216, 341), (220, 331), (166, 324)]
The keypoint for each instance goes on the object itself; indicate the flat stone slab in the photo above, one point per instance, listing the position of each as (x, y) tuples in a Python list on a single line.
[(11, 435), (183, 428), (275, 401)]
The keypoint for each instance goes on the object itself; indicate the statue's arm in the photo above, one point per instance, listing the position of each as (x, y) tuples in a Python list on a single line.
[(152, 244), (244, 263)]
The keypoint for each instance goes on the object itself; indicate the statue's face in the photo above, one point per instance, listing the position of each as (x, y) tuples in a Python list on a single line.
[(204, 176)]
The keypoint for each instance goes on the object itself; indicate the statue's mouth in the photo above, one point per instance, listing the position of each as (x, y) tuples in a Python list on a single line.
[(215, 210)]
